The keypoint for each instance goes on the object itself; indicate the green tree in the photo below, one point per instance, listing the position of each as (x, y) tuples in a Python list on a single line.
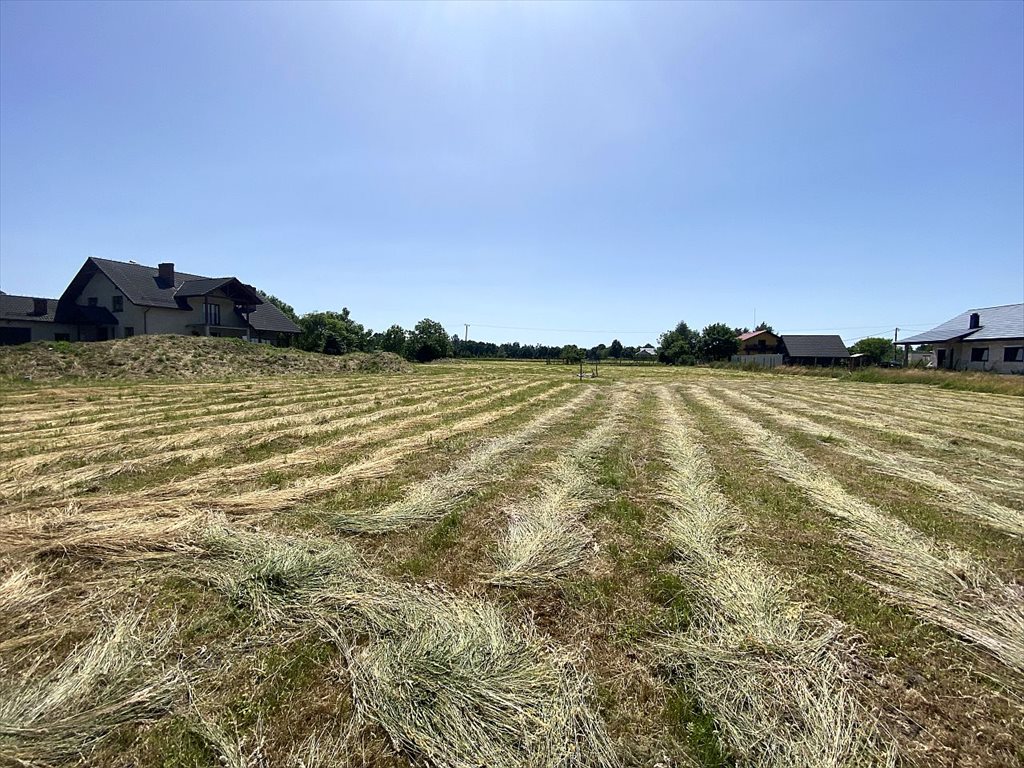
[(428, 341), (877, 349), (718, 342), (764, 327), (333, 333), (571, 353), (393, 340), (679, 346), (615, 350)]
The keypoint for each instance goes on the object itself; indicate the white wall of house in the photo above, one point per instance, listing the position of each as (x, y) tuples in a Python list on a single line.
[(160, 320), (43, 331), (958, 355)]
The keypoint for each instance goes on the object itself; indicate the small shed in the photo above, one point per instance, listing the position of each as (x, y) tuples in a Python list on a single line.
[(823, 350)]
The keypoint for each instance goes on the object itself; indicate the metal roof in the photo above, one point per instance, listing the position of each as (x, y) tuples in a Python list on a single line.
[(815, 346), (1003, 322)]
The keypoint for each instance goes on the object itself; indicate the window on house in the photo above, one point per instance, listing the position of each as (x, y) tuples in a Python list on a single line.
[(94, 302), (129, 331), (117, 303), (62, 337), (979, 355), (1013, 354), (212, 314)]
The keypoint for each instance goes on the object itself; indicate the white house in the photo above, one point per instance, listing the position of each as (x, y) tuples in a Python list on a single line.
[(986, 339)]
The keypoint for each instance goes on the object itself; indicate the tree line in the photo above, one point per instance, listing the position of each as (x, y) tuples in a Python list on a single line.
[(337, 333)]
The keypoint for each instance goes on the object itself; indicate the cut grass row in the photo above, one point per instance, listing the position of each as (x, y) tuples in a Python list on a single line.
[(214, 442), (941, 583), (778, 678), (955, 497)]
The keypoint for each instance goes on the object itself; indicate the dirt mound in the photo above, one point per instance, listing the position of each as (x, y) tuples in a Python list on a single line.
[(179, 357)]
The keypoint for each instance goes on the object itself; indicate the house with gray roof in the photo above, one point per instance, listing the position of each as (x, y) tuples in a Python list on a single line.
[(115, 299), (817, 350), (984, 339)]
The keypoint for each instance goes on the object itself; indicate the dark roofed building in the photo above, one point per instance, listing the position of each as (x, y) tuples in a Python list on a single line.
[(30, 318), (827, 349), (985, 339), (115, 299)]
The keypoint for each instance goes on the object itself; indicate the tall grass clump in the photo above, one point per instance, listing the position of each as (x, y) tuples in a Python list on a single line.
[(452, 681), (546, 539), (432, 498), (777, 678), (58, 715), (941, 583), (462, 686)]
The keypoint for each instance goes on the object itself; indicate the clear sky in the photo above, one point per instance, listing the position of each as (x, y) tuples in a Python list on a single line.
[(609, 168)]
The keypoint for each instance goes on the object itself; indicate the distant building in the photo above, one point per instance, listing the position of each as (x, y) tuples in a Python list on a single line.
[(762, 342), (985, 339), (768, 350), (115, 299), (647, 351), (826, 350)]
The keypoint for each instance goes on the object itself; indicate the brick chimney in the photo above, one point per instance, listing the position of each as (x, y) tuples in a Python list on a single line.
[(166, 273), (39, 307), (975, 321)]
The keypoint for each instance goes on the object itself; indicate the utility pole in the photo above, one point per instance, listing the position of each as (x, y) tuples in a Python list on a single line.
[(895, 349), (467, 332)]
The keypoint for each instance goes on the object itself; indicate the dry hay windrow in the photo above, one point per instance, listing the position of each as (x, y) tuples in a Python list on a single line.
[(377, 464), (114, 679), (950, 495), (965, 458), (453, 681), (941, 583), (165, 421), (432, 498), (106, 410), (921, 407), (207, 487), (778, 678), (174, 407), (547, 540), (915, 425), (140, 526), (216, 442)]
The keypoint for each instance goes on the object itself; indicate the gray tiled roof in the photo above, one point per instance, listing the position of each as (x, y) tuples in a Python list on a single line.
[(267, 317), (1003, 322), (142, 285), (22, 307), (201, 287), (815, 346)]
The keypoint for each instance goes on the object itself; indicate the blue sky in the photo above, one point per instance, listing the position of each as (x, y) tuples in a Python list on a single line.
[(606, 168)]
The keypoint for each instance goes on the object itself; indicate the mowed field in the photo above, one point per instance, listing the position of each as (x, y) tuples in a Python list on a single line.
[(497, 564)]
